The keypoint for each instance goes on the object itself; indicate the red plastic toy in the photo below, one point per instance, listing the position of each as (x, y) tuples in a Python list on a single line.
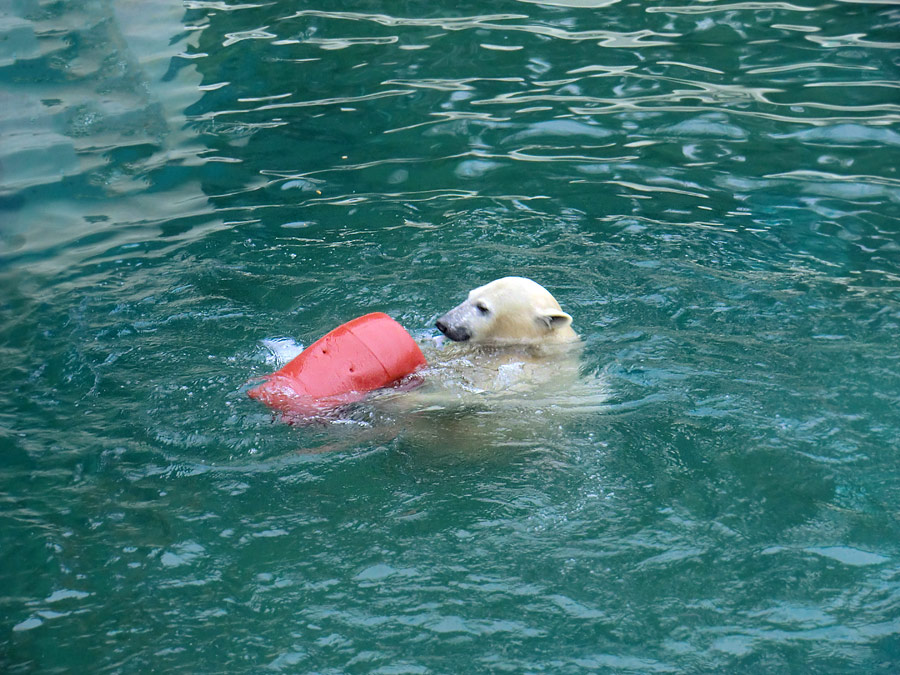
[(364, 354)]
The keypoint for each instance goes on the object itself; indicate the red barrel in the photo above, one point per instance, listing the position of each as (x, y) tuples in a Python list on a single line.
[(367, 353)]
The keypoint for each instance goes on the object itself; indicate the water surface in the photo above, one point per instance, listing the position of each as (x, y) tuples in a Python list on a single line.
[(710, 189)]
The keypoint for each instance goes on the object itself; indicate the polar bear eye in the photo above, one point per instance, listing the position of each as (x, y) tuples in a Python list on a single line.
[(482, 308)]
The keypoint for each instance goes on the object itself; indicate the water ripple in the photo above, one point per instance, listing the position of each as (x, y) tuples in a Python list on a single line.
[(729, 7), (307, 104), (488, 23)]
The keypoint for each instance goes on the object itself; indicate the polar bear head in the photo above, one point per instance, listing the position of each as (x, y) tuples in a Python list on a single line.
[(508, 311)]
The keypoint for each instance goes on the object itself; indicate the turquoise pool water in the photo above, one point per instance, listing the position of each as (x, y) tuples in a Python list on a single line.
[(709, 188)]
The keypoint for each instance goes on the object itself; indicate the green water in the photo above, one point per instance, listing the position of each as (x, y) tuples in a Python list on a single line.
[(710, 189)]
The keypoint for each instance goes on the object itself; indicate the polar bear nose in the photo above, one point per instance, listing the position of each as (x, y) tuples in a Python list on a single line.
[(457, 334)]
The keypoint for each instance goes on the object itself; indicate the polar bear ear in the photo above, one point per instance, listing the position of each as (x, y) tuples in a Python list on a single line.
[(554, 319)]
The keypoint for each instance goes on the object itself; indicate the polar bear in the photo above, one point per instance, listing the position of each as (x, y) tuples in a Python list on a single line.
[(508, 311), (510, 338)]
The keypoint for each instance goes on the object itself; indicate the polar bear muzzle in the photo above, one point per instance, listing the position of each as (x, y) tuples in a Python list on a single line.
[(456, 332)]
